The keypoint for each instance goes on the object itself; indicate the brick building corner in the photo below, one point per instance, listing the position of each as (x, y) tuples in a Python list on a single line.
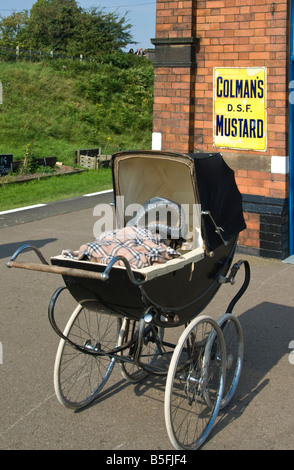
[(195, 38)]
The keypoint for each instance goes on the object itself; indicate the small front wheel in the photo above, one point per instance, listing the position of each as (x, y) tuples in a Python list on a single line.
[(79, 376), (195, 383), (129, 370), (152, 355)]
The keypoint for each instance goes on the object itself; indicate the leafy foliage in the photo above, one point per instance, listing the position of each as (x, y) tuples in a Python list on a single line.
[(63, 26), (12, 27), (29, 162), (51, 24)]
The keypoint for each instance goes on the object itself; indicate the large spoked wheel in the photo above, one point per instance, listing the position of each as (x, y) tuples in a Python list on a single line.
[(79, 376), (233, 336), (151, 356), (195, 383)]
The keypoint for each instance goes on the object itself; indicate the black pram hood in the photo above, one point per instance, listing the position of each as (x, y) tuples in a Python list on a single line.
[(218, 194)]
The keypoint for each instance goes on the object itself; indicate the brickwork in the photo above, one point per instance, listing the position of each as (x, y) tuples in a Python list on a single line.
[(175, 19), (243, 34), (267, 226), (250, 236), (173, 108), (231, 33), (262, 183), (174, 86)]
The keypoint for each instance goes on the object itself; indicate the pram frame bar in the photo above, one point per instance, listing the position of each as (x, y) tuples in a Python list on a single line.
[(150, 272), (145, 322)]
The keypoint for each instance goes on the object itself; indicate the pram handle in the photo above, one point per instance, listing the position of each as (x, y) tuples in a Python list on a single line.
[(57, 270), (46, 267)]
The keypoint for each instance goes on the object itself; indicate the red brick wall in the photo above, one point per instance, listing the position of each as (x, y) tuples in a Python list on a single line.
[(175, 18), (172, 108), (173, 94), (250, 236), (245, 34), (262, 183), (231, 33)]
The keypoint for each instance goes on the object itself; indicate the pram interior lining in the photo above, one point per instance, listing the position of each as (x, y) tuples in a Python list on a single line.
[(139, 177)]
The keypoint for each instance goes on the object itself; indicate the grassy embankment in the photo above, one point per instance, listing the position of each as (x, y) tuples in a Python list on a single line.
[(60, 106)]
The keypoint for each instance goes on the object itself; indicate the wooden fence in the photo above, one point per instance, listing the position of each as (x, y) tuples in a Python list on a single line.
[(92, 159), (31, 55)]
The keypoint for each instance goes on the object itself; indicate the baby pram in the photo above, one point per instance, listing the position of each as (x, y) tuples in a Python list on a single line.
[(123, 312)]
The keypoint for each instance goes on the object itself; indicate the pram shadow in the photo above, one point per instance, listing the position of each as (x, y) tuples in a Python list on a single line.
[(268, 329), (8, 249), (141, 388)]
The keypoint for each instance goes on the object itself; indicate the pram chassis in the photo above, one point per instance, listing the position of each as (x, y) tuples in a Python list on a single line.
[(202, 369), (148, 331)]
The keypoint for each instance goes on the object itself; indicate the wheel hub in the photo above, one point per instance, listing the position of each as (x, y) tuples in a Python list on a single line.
[(88, 345)]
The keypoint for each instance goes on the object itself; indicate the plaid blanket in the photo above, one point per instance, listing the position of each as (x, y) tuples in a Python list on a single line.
[(138, 245)]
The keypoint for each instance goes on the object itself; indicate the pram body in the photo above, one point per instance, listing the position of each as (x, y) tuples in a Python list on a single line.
[(146, 301), (180, 288)]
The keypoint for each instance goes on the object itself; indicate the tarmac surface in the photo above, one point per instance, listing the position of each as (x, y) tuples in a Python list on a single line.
[(129, 417)]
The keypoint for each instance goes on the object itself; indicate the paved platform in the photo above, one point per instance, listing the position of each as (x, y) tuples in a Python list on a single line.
[(131, 417)]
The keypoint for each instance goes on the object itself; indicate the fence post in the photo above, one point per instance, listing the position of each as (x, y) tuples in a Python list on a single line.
[(40, 54)]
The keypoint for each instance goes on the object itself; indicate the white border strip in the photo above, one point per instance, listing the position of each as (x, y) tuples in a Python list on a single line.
[(22, 209), (97, 194)]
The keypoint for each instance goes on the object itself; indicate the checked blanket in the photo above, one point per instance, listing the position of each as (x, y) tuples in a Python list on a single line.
[(138, 245)]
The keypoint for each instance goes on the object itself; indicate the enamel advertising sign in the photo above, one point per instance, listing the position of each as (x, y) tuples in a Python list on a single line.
[(239, 104)]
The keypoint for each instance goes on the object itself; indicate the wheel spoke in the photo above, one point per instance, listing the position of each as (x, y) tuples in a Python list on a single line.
[(195, 383), (78, 376), (233, 335)]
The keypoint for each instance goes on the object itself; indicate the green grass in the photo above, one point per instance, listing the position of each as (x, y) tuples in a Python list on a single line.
[(60, 106), (54, 188)]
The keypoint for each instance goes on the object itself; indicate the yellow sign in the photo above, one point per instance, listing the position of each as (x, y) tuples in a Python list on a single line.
[(239, 96)]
